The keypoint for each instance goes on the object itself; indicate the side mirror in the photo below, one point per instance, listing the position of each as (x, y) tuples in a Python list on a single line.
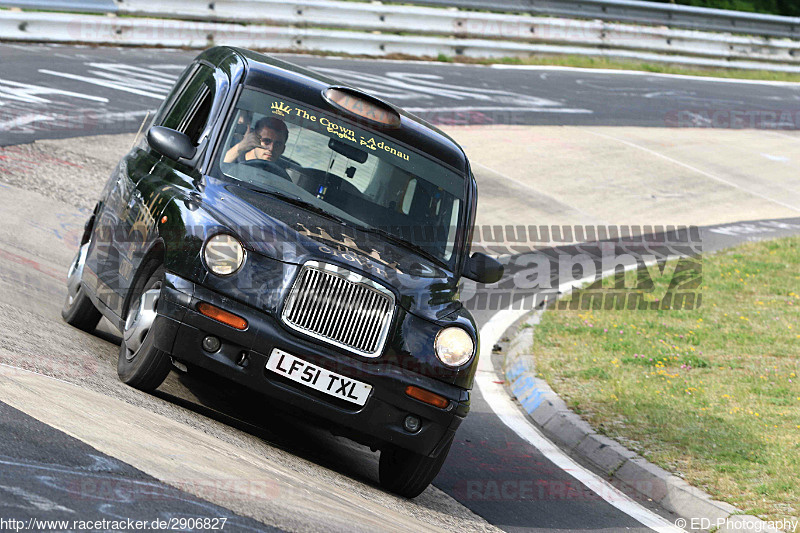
[(171, 143), (483, 269)]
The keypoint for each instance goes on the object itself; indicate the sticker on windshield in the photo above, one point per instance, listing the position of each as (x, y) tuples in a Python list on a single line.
[(281, 109), (383, 146)]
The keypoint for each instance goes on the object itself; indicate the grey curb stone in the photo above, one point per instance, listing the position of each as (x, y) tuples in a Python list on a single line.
[(644, 478), (605, 454), (620, 465), (567, 431), (680, 494), (549, 408)]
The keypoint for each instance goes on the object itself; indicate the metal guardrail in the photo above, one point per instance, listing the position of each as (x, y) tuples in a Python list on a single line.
[(381, 29), (633, 11), (92, 29), (81, 6), (640, 12), (471, 25)]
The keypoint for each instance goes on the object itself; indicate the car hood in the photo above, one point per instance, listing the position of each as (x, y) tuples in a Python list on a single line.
[(283, 231)]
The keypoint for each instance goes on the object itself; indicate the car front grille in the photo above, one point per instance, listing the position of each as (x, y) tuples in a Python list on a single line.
[(340, 307)]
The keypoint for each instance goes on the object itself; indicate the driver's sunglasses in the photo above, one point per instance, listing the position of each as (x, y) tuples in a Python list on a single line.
[(266, 142)]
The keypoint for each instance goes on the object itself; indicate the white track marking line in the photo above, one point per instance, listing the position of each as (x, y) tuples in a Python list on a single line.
[(502, 405), (24, 121), (103, 83), (711, 79), (100, 118), (693, 169), (498, 108), (39, 502), (26, 92), (554, 68)]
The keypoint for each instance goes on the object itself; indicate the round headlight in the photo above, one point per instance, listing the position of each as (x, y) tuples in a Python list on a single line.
[(224, 254), (454, 346)]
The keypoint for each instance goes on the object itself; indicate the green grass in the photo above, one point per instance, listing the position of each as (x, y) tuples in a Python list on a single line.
[(711, 393), (580, 61)]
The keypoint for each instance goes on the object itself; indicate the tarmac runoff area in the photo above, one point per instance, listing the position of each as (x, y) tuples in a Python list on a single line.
[(638, 176), (526, 175)]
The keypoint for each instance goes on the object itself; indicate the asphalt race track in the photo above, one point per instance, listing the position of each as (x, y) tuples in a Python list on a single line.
[(56, 91), (61, 92)]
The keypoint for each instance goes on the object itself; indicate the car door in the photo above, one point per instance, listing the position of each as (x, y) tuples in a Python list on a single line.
[(144, 182)]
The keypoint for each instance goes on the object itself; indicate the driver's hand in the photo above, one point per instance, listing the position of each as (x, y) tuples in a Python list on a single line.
[(248, 142)]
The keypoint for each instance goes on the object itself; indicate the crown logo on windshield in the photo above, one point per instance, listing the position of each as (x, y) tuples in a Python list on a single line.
[(281, 109)]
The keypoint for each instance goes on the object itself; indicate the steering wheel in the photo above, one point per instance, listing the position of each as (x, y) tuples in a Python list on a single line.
[(270, 166)]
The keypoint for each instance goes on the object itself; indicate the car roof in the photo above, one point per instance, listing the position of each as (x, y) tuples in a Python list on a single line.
[(307, 86)]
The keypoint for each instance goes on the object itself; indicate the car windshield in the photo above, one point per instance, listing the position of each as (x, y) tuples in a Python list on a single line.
[(335, 167)]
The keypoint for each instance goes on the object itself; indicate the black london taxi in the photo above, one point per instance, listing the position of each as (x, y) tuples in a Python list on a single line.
[(299, 237)]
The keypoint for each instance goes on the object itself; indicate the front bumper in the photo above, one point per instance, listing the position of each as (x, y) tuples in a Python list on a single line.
[(180, 330)]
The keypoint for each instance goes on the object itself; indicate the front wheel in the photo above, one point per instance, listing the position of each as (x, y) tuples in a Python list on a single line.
[(141, 365), (407, 473), (78, 310)]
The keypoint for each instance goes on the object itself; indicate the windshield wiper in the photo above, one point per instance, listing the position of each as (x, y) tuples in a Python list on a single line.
[(403, 242)]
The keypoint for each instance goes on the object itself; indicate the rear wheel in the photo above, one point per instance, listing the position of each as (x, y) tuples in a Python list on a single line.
[(78, 309), (407, 473), (141, 364)]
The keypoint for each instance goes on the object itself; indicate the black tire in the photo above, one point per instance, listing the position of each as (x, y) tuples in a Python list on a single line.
[(141, 365), (78, 310), (407, 473)]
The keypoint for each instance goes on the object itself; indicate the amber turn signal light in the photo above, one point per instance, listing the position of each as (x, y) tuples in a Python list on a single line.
[(220, 315), (427, 397)]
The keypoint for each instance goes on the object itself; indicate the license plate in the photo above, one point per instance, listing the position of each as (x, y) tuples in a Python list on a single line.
[(318, 378)]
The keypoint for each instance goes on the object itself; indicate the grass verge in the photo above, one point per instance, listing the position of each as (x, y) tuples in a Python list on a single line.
[(579, 61), (711, 394)]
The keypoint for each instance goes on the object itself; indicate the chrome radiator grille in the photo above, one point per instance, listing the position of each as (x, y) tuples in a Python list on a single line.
[(340, 307)]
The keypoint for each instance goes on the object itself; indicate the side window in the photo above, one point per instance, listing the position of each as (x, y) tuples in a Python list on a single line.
[(189, 113)]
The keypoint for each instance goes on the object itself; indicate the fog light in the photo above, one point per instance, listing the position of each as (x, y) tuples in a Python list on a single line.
[(211, 344), (412, 424)]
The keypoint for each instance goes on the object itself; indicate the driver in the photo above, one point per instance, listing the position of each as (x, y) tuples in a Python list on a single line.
[(265, 142)]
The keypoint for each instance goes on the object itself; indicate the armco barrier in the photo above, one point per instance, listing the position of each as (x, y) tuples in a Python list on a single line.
[(639, 12), (634, 11), (463, 24), (82, 6), (378, 29)]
